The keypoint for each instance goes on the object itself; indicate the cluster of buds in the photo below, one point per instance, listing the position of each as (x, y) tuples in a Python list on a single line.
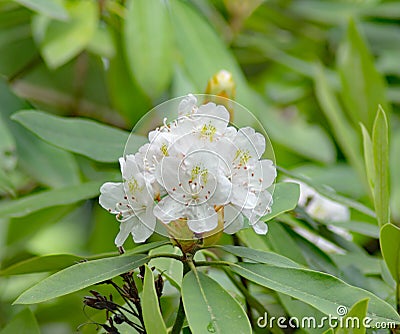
[(118, 314)]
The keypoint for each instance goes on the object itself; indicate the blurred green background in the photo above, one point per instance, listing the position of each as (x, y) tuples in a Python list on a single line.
[(310, 71)]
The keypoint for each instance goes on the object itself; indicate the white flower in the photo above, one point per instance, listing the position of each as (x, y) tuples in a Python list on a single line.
[(132, 201), (195, 169), (195, 186), (320, 207), (250, 179)]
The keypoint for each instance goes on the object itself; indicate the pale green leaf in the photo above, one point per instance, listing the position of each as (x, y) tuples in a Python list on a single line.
[(41, 264), (395, 174), (380, 142), (354, 320), (23, 323), (260, 256), (204, 54), (152, 317), (63, 40), (148, 45), (102, 42), (343, 131), (323, 291), (390, 246), (51, 8), (94, 140), (48, 165), (210, 308), (45, 199), (172, 269), (368, 158), (80, 276), (285, 198), (363, 87)]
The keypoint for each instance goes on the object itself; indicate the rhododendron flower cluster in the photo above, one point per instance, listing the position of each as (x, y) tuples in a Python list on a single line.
[(190, 170)]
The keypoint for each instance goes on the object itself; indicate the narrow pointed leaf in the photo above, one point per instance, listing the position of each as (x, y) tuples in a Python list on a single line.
[(323, 291), (353, 321), (390, 246), (45, 199), (92, 139), (260, 256), (368, 157), (363, 87), (148, 42), (153, 320), (380, 142), (80, 276), (210, 308), (341, 128)]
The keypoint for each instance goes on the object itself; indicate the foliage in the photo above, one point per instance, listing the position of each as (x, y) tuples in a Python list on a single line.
[(322, 77)]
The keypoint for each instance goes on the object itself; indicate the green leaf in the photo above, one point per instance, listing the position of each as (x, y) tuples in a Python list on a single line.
[(380, 142), (204, 54), (283, 243), (148, 45), (8, 158), (260, 256), (102, 42), (342, 130), (94, 140), (368, 158), (172, 269), (41, 264), (63, 40), (390, 246), (354, 319), (124, 91), (323, 291), (23, 323), (80, 276), (329, 331), (363, 87), (395, 174), (153, 320), (210, 308), (51, 8), (285, 198), (45, 199), (47, 164)]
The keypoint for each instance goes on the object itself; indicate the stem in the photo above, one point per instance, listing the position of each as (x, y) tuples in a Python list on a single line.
[(180, 316), (212, 263), (171, 256), (398, 297)]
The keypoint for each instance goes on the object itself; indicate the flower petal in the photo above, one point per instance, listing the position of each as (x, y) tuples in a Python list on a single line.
[(233, 219), (260, 227), (202, 218), (168, 209), (125, 228), (145, 226), (110, 195)]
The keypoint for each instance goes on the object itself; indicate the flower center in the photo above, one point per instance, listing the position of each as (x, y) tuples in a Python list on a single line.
[(243, 156), (164, 150), (208, 131), (133, 185)]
